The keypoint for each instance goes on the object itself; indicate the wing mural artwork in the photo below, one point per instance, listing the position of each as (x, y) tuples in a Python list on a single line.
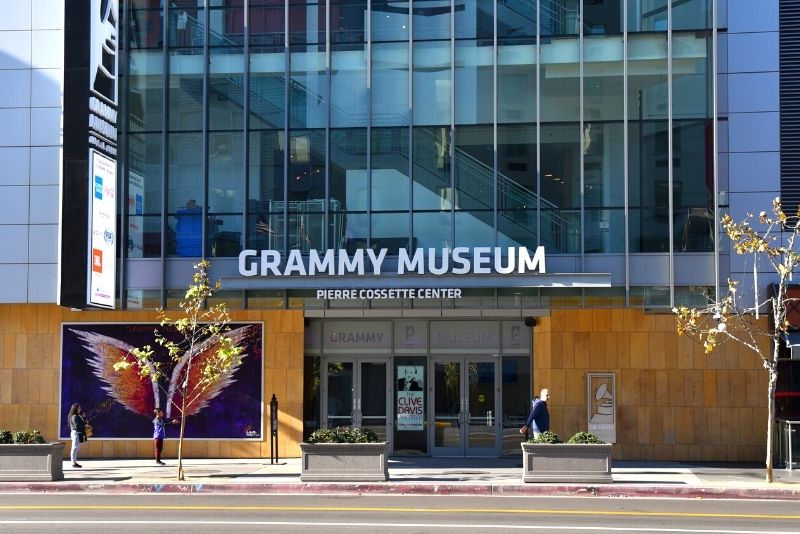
[(202, 352), (121, 403), (138, 394)]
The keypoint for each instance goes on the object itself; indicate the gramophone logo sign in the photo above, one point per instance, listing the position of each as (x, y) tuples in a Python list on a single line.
[(601, 405)]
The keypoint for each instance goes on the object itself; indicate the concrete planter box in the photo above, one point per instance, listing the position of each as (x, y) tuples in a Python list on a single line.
[(31, 463), (339, 462), (562, 462)]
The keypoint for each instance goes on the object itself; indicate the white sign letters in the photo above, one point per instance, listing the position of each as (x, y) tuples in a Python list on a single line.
[(458, 261)]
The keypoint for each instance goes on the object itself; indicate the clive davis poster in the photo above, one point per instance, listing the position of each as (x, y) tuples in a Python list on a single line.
[(121, 406)]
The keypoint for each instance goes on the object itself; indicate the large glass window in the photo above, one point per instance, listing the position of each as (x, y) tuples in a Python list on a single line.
[(453, 156)]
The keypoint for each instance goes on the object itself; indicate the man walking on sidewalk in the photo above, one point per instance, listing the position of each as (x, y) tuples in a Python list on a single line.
[(539, 419)]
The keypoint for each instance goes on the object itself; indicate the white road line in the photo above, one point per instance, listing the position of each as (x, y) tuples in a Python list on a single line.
[(395, 525)]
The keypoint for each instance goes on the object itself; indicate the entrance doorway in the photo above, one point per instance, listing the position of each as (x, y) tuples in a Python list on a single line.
[(465, 407), (354, 393)]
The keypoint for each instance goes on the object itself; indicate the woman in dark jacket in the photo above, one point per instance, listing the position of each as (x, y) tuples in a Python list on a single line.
[(77, 427)]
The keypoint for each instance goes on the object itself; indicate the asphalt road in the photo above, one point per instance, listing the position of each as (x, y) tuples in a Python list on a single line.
[(199, 514)]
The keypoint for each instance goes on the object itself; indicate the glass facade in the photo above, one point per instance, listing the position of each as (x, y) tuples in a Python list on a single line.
[(583, 126)]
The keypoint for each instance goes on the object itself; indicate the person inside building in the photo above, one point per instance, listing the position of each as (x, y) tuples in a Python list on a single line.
[(189, 229), (539, 419)]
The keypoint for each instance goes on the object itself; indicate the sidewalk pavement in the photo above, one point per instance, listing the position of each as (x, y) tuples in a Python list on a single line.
[(417, 476)]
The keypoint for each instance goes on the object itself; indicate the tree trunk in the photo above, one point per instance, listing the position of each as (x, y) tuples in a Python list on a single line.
[(181, 474), (773, 378)]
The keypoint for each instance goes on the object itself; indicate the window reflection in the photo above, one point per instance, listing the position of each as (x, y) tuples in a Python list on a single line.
[(603, 17), (432, 158), (390, 187)]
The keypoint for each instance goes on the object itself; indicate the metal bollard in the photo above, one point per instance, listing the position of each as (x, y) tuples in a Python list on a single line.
[(273, 430)]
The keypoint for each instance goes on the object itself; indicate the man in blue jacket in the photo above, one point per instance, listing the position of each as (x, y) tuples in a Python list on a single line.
[(539, 419)]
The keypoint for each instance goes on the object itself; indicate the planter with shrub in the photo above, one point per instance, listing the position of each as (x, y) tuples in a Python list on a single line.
[(25, 457), (344, 454), (583, 459)]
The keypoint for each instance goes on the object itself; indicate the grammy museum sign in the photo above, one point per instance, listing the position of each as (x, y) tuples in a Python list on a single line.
[(337, 262)]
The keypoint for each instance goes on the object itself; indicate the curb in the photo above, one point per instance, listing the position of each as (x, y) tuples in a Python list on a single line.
[(336, 488)]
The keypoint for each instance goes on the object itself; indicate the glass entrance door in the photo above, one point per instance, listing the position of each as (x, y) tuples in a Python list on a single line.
[(355, 393), (464, 407)]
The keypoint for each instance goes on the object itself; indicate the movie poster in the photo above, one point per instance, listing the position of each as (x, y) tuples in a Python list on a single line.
[(120, 405), (410, 397)]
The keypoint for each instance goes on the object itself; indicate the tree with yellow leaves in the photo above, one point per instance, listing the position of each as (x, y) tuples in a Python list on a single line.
[(731, 319), (196, 353)]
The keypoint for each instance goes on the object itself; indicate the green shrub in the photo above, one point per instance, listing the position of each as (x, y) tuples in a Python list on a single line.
[(545, 437), (6, 436), (584, 437), (343, 434), (28, 437)]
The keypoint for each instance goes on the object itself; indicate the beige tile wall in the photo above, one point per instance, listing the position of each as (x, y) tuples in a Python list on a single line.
[(674, 402), (30, 358)]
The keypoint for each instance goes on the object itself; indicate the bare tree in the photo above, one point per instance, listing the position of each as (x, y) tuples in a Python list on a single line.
[(202, 353), (731, 319)]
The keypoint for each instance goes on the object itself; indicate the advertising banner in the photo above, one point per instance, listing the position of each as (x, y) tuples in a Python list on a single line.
[(120, 405), (410, 397), (103, 238)]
